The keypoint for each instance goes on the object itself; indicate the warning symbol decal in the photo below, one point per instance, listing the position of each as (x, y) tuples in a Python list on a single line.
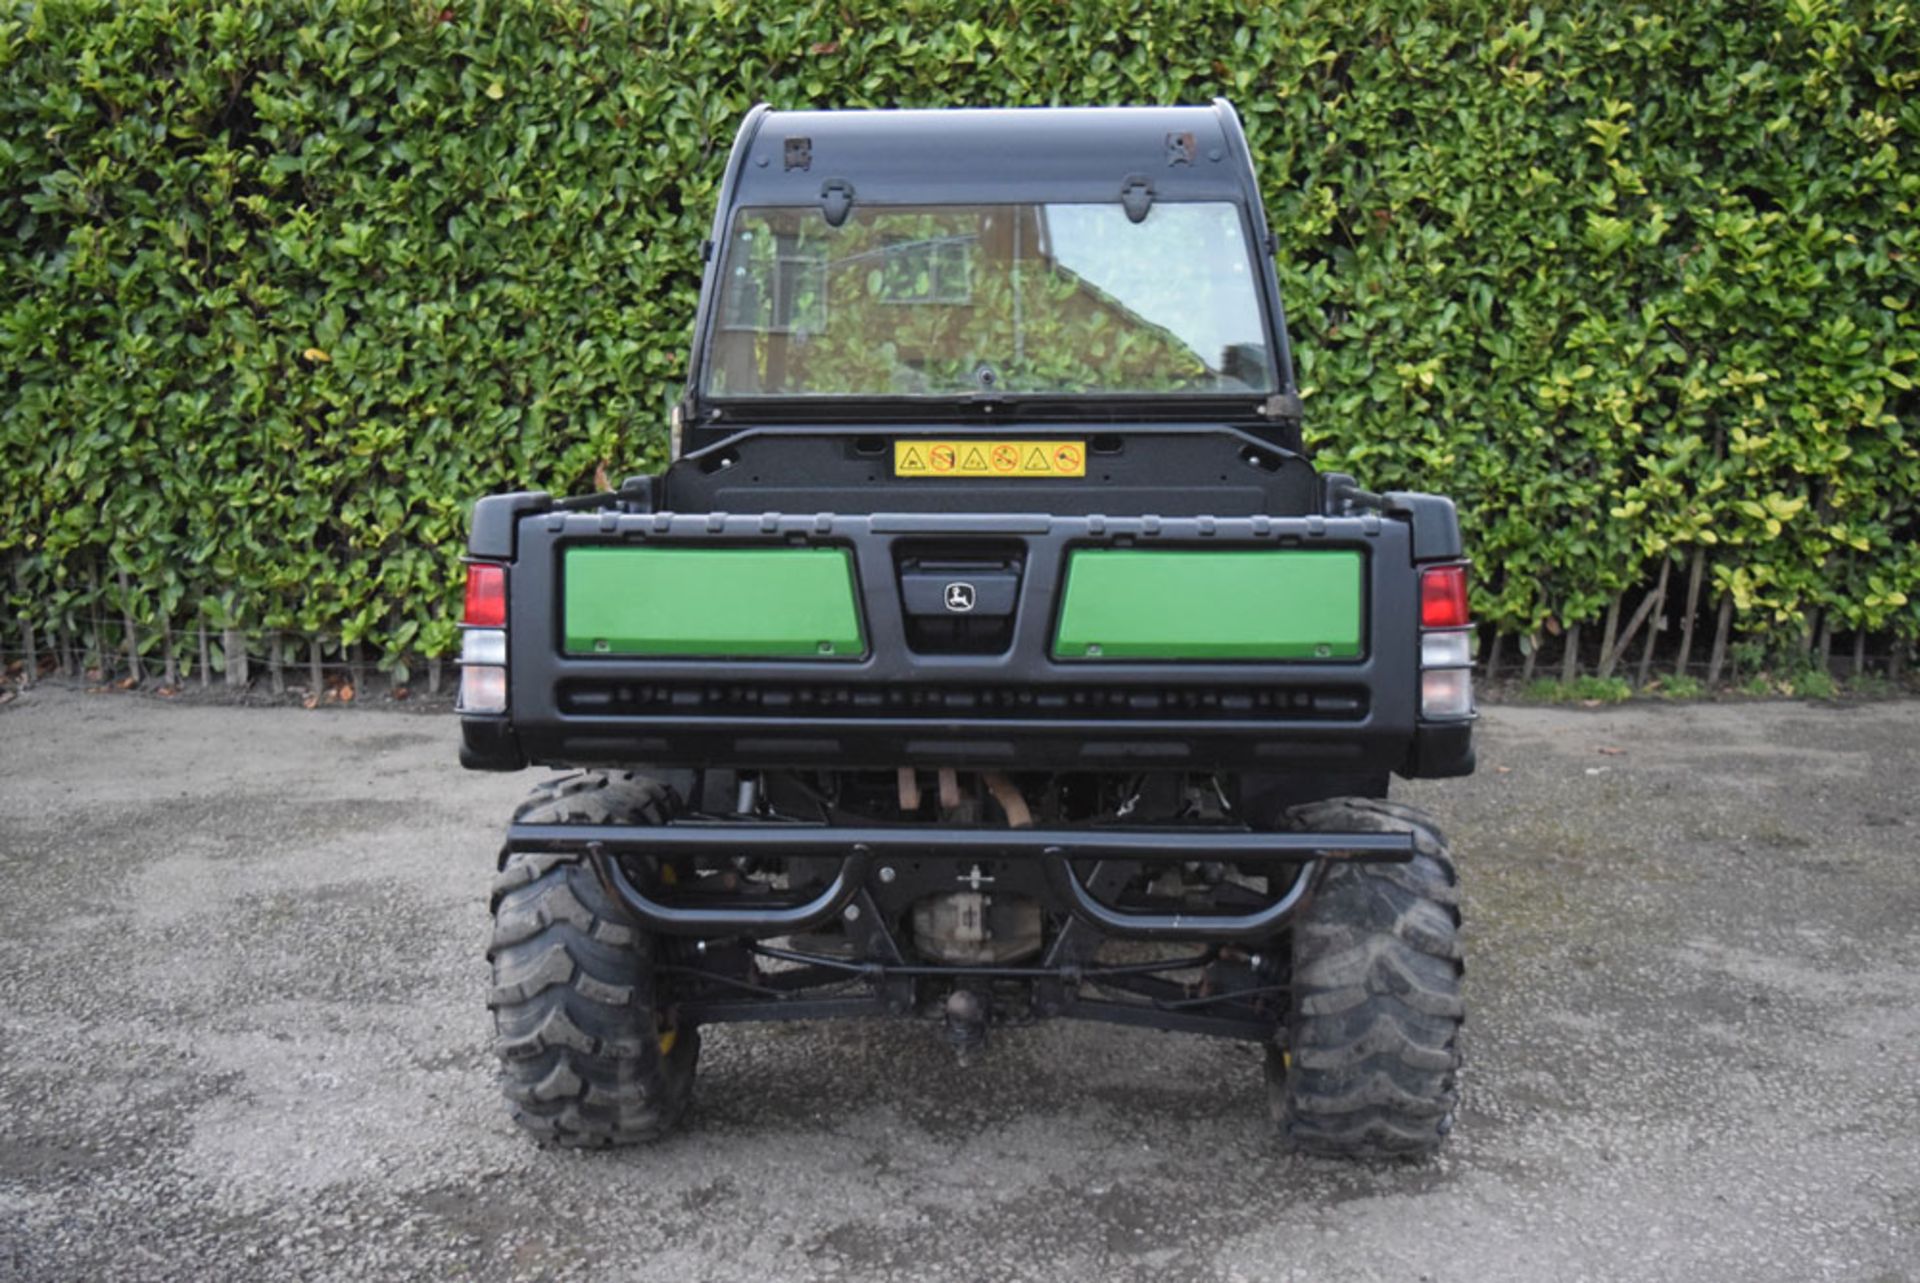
[(1020, 459)]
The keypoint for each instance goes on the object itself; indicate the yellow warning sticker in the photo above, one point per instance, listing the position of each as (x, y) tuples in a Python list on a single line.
[(989, 458)]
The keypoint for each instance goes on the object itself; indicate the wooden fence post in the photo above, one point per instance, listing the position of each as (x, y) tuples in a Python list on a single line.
[(1654, 624), (1720, 630), (1693, 608), (1612, 655), (30, 660), (171, 668), (1608, 633), (99, 637), (234, 644), (134, 668)]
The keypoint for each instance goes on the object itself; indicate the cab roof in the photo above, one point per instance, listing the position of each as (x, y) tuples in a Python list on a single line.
[(985, 156)]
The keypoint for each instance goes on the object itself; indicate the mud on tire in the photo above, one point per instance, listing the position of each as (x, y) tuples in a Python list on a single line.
[(1370, 1056), (585, 1058)]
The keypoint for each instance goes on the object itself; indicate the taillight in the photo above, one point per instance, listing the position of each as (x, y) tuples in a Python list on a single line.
[(1451, 648), (1446, 644), (486, 596), (483, 641), (483, 690), (1446, 692), (1443, 597)]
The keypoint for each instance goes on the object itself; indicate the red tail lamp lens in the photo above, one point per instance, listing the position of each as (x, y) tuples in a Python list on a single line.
[(487, 596), (1443, 597)]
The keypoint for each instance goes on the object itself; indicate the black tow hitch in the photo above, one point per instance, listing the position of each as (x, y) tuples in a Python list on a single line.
[(965, 1020)]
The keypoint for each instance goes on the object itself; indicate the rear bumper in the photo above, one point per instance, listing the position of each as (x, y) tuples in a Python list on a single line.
[(858, 850), (1021, 707)]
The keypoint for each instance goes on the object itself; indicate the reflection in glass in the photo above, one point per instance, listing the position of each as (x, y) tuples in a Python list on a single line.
[(956, 300)]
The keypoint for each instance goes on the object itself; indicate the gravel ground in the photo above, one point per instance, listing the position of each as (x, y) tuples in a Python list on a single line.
[(243, 1036)]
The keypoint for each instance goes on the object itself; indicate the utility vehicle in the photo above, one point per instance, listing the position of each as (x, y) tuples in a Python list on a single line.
[(989, 651)]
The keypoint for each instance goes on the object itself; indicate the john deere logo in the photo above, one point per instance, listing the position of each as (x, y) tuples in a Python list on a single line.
[(960, 598)]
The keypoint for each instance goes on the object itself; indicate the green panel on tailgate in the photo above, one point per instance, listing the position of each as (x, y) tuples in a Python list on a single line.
[(716, 602), (1124, 603)]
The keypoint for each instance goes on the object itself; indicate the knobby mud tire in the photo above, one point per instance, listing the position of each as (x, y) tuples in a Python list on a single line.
[(1369, 1061), (585, 1058)]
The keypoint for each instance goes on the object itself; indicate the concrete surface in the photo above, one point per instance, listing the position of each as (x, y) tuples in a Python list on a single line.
[(242, 1036)]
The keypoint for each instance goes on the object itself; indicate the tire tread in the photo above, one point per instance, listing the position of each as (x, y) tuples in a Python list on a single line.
[(1371, 1060), (575, 1027)]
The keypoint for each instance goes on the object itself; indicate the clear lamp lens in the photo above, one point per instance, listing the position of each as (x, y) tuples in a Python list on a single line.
[(1446, 692), (1446, 650), (483, 690), (483, 646)]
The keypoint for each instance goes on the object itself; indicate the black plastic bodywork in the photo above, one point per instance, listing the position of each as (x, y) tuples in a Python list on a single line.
[(1171, 469), (1002, 704), (899, 706)]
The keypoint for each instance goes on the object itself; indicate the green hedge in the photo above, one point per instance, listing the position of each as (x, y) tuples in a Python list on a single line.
[(289, 282)]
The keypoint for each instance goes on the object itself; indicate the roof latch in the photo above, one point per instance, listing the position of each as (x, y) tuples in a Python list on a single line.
[(1136, 196), (836, 200)]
